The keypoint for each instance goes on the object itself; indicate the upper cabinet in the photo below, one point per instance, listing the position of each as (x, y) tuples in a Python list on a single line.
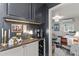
[(32, 11), (19, 9), (38, 12)]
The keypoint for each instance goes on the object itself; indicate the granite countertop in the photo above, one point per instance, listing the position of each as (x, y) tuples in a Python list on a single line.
[(24, 42)]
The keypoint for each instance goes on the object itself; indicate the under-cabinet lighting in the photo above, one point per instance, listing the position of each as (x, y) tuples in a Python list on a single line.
[(21, 21)]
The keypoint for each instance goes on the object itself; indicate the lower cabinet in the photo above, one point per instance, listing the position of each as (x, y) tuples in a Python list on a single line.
[(13, 52), (30, 49)]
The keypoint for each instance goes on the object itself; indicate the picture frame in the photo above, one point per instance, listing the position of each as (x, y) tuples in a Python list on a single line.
[(56, 27), (16, 28)]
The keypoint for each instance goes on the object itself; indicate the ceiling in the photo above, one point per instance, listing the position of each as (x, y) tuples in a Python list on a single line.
[(68, 10), (49, 5)]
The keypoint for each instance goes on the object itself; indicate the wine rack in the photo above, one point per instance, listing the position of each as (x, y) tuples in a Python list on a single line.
[(41, 48)]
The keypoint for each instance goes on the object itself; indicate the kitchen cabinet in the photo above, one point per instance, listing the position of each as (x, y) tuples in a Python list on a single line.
[(39, 17), (19, 10), (33, 11), (13, 52), (25, 10), (33, 49), (30, 49)]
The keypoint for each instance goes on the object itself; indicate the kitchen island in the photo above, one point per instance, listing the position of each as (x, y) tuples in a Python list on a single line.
[(28, 47)]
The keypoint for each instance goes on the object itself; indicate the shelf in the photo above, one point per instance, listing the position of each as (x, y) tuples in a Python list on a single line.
[(23, 21)]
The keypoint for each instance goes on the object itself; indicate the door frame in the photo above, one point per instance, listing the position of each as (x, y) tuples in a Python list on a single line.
[(50, 26)]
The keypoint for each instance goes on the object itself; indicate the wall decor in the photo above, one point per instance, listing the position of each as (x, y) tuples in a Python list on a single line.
[(16, 28), (56, 27)]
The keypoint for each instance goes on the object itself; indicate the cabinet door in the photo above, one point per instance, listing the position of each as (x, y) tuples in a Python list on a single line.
[(33, 11), (25, 52), (13, 52), (18, 9), (31, 49)]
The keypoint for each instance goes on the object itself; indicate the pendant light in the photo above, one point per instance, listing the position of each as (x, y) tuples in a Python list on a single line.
[(56, 18)]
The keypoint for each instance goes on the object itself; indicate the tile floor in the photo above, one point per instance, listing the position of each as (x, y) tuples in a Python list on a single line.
[(61, 52)]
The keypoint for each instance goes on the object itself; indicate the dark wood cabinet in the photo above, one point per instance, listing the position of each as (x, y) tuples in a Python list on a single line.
[(32, 11), (19, 9)]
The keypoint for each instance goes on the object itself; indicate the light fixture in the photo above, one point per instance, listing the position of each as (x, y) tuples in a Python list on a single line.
[(31, 32), (57, 17), (76, 34)]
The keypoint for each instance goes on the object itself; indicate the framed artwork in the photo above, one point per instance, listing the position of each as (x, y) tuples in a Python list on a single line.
[(16, 28), (56, 27)]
